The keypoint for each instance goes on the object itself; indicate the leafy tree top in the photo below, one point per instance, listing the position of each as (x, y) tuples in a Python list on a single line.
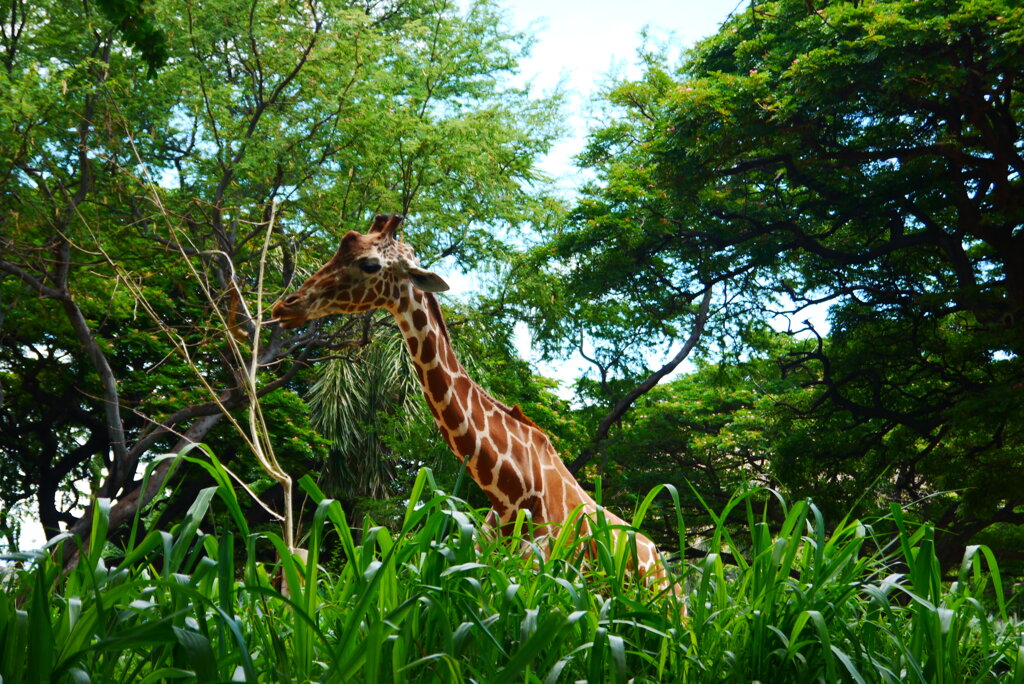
[(864, 156)]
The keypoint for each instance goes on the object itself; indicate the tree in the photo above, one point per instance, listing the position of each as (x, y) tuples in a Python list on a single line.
[(863, 156), (138, 29), (145, 219)]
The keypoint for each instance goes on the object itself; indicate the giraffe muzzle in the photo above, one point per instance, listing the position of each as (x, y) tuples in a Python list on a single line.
[(285, 315)]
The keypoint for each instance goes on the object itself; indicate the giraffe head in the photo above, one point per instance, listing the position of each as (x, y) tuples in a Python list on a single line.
[(368, 271)]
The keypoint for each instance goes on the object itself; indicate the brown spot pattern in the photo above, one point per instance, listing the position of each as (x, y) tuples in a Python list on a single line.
[(465, 445), (437, 382), (448, 358), (452, 414), (429, 349), (419, 319), (499, 434), (477, 412), (485, 461), (535, 505), (509, 482), (538, 474), (553, 494), (461, 386)]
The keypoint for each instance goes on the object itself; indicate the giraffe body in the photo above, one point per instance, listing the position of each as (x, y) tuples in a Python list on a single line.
[(506, 453)]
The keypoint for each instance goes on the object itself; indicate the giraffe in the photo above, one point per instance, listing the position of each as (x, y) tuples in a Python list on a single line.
[(507, 454)]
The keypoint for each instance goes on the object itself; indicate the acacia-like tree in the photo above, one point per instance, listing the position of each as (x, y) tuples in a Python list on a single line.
[(143, 217), (864, 156)]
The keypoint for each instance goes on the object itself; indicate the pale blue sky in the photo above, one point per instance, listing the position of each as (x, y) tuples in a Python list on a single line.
[(584, 37), (579, 42)]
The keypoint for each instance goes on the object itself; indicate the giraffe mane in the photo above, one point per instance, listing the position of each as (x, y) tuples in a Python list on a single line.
[(435, 311), (518, 414), (513, 411)]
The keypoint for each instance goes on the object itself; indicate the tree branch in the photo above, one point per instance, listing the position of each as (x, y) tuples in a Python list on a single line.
[(653, 379), (30, 280)]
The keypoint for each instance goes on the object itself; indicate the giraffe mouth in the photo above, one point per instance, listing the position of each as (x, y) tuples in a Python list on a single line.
[(288, 322), (287, 319)]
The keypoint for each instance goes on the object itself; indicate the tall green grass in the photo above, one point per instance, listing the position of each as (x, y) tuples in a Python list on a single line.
[(437, 601)]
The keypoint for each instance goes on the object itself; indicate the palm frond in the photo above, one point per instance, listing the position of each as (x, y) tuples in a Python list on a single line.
[(353, 403)]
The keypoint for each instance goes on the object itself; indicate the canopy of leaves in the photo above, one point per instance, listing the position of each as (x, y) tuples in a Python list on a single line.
[(143, 219), (861, 155)]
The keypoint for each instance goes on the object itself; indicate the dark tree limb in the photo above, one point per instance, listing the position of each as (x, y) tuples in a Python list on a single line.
[(653, 379), (126, 508), (121, 464), (29, 279), (206, 417)]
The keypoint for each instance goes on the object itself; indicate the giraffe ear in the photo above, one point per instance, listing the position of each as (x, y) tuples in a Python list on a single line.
[(427, 281)]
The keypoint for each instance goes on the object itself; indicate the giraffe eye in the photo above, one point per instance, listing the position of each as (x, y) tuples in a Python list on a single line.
[(369, 265)]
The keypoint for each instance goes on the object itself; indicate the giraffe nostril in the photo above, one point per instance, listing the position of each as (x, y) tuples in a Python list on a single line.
[(291, 300)]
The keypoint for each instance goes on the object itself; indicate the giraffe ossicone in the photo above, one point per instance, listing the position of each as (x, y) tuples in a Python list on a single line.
[(506, 453)]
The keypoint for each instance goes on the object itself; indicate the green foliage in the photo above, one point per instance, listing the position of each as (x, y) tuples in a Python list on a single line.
[(789, 602), (134, 210), (711, 432), (136, 25), (863, 156), (360, 405)]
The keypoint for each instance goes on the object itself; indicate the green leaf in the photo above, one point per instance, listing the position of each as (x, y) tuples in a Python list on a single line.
[(199, 654)]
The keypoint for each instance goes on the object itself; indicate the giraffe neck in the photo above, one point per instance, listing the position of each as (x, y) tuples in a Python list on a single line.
[(505, 452), (478, 428)]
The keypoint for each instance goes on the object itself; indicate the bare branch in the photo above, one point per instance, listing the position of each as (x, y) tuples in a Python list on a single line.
[(653, 379), (30, 280)]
